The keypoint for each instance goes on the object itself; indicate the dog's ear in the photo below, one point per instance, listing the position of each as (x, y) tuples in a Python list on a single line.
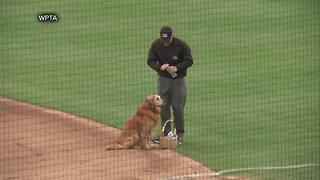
[(150, 102), (149, 98)]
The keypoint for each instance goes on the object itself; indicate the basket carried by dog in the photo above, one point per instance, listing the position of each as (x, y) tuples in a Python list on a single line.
[(168, 141)]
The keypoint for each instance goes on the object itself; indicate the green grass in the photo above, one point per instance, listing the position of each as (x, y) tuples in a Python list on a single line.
[(253, 92)]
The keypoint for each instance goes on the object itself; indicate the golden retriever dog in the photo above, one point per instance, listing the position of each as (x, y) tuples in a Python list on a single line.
[(138, 129)]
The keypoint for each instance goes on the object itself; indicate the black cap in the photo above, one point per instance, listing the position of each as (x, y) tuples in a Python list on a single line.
[(165, 33)]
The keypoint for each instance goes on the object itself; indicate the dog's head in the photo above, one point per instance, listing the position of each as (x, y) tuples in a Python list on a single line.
[(155, 101)]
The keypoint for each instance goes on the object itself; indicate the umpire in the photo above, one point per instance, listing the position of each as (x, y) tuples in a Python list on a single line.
[(170, 57)]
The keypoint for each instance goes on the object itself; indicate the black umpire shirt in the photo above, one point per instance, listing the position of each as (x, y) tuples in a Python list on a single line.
[(177, 54)]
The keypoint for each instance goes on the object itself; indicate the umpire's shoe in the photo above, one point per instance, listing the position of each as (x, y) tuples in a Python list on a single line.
[(179, 142)]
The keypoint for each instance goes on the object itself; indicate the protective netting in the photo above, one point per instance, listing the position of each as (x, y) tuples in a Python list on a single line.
[(73, 72)]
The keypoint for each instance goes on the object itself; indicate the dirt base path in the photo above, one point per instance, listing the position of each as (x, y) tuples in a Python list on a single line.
[(41, 143)]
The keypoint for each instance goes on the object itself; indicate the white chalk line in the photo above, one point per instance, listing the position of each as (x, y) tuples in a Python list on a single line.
[(266, 168), (187, 176), (239, 170)]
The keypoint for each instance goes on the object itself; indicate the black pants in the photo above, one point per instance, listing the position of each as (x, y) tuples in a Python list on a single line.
[(174, 92)]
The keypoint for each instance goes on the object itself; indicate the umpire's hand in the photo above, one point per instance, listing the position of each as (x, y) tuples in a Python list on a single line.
[(164, 67), (171, 69)]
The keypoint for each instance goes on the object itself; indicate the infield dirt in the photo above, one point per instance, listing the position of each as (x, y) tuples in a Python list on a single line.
[(42, 143)]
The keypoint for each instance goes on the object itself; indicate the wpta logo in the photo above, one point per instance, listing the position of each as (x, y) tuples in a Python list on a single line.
[(48, 17)]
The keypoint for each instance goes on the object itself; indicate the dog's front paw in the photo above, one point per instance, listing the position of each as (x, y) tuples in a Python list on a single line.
[(145, 146)]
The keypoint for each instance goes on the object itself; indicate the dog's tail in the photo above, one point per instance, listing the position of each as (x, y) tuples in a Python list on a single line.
[(115, 146)]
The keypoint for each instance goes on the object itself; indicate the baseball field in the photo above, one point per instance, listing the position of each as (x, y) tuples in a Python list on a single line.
[(253, 91)]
